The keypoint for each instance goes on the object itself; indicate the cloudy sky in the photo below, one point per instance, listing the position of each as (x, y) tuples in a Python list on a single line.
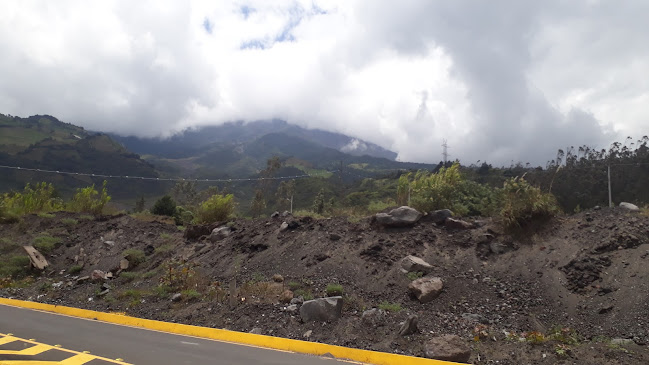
[(500, 80)]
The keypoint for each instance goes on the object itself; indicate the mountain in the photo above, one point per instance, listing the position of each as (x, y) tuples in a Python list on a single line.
[(189, 142), (43, 142)]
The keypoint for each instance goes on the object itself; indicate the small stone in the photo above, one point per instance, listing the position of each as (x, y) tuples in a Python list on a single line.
[(307, 334), (105, 286), (457, 224), (629, 206), (412, 263), (123, 264), (220, 233), (298, 300), (622, 341), (82, 279), (98, 275), (104, 292), (286, 296), (291, 308), (373, 317), (439, 216), (176, 297), (322, 309), (447, 348), (275, 215), (426, 289), (409, 327), (334, 237), (256, 331), (399, 217), (283, 227), (278, 278)]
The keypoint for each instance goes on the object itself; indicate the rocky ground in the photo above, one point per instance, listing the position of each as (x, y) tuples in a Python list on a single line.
[(573, 290)]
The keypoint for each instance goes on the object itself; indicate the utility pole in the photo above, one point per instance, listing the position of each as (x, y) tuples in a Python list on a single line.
[(445, 151), (610, 200)]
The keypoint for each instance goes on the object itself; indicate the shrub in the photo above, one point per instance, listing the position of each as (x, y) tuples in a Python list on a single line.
[(334, 290), (216, 208), (165, 248), (305, 294), (294, 285), (319, 202), (414, 275), (390, 307), (183, 216), (179, 275), (129, 276), (75, 269), (134, 256), (89, 200), (164, 206), (42, 198), (520, 203), (190, 294)]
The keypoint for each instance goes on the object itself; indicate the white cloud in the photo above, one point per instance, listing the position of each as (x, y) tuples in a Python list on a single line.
[(503, 80)]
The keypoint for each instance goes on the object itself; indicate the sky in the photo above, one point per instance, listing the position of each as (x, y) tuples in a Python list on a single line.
[(501, 80)]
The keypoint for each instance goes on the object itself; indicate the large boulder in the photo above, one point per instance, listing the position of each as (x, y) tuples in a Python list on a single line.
[(322, 309), (629, 206), (399, 217), (447, 348), (439, 216), (415, 264), (220, 233), (426, 289)]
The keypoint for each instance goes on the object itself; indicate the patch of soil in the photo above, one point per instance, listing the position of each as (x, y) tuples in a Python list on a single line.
[(586, 272)]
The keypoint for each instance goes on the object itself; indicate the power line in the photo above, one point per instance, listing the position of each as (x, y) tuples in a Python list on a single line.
[(160, 178)]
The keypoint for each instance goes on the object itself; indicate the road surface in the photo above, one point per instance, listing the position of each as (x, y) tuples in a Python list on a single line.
[(30, 328)]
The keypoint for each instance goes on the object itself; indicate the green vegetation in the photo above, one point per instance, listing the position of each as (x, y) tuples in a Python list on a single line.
[(216, 208), (16, 266), (46, 215), (162, 291), (190, 294), (293, 285), (165, 236), (69, 221), (134, 256), (304, 293), (165, 248), (75, 269), (89, 200), (127, 276), (46, 243), (164, 206), (333, 290), (390, 307), (520, 203), (86, 217), (41, 198)]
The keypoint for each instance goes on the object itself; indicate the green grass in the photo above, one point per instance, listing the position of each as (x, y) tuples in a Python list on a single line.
[(69, 221), (334, 290), (162, 291), (165, 236), (46, 215), (7, 245), (294, 285), (129, 276), (86, 217), (75, 269), (390, 307), (306, 294), (149, 274), (165, 248), (414, 275), (132, 294), (16, 266), (190, 294), (46, 243), (134, 256)]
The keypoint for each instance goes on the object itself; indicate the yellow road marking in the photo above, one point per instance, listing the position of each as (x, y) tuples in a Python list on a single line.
[(76, 357), (268, 342)]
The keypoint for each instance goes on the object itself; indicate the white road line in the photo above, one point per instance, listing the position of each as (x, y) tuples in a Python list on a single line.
[(189, 343)]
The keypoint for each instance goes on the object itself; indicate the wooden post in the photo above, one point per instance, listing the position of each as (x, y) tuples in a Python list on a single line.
[(610, 200)]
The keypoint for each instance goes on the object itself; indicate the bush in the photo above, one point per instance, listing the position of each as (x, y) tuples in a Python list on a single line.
[(75, 269), (164, 206), (134, 256), (334, 290), (14, 266), (89, 200), (520, 203), (183, 216), (216, 208), (41, 198)]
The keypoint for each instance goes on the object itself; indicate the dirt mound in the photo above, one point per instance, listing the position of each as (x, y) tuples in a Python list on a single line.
[(509, 296)]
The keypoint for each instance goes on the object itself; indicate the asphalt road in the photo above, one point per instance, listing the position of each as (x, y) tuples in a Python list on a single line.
[(139, 346)]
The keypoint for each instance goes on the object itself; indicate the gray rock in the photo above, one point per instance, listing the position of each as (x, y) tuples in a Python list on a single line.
[(291, 308), (220, 233), (103, 292), (474, 317), (597, 207), (409, 327), (426, 289), (105, 286), (256, 331), (399, 217), (629, 206), (286, 213), (622, 341), (322, 309), (307, 334), (283, 227), (82, 279), (439, 216), (176, 297), (414, 264), (447, 348), (278, 278), (499, 248), (275, 215), (98, 275), (373, 317), (298, 300), (457, 224)]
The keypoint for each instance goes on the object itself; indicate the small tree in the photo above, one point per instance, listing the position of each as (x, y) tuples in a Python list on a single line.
[(216, 208), (164, 206), (319, 202), (89, 200), (139, 205), (258, 203)]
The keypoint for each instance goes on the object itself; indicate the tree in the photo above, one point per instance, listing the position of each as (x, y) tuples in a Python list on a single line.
[(139, 205), (319, 202), (185, 193), (285, 192), (164, 206), (258, 204)]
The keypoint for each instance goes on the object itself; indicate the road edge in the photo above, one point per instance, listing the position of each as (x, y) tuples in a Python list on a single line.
[(270, 342)]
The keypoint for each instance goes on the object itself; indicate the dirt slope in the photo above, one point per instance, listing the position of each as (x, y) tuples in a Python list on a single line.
[(586, 272)]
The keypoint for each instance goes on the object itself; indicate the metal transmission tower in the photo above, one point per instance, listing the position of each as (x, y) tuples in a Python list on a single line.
[(445, 151)]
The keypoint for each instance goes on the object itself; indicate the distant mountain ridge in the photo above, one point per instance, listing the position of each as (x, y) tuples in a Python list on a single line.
[(187, 144)]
